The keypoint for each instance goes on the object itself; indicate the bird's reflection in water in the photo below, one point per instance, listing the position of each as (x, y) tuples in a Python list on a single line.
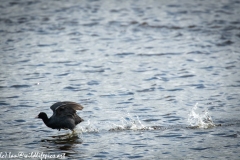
[(64, 143)]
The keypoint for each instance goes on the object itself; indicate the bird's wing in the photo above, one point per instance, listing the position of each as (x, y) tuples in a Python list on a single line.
[(67, 104), (66, 108), (55, 105)]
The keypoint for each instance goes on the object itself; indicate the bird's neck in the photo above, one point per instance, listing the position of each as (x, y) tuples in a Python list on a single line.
[(45, 119)]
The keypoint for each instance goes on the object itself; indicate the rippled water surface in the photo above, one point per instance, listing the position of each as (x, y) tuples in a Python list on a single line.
[(158, 79)]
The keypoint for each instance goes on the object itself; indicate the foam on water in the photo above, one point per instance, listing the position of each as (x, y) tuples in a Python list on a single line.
[(200, 118)]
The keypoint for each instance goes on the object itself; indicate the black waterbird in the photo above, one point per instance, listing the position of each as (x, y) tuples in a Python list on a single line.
[(64, 116)]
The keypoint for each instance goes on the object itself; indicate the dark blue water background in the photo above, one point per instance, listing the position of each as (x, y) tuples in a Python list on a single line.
[(158, 79)]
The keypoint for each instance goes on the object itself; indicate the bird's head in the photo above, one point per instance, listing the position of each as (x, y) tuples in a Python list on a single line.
[(42, 115)]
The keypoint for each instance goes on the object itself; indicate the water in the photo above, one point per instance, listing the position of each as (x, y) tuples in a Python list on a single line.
[(157, 79)]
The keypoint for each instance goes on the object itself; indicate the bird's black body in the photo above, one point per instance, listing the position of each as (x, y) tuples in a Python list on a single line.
[(64, 116)]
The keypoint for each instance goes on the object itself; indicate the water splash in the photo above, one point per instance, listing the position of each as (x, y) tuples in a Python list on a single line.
[(200, 120), (126, 122), (129, 123), (90, 127)]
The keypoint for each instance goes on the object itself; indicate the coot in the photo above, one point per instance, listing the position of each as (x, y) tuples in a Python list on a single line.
[(64, 116)]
